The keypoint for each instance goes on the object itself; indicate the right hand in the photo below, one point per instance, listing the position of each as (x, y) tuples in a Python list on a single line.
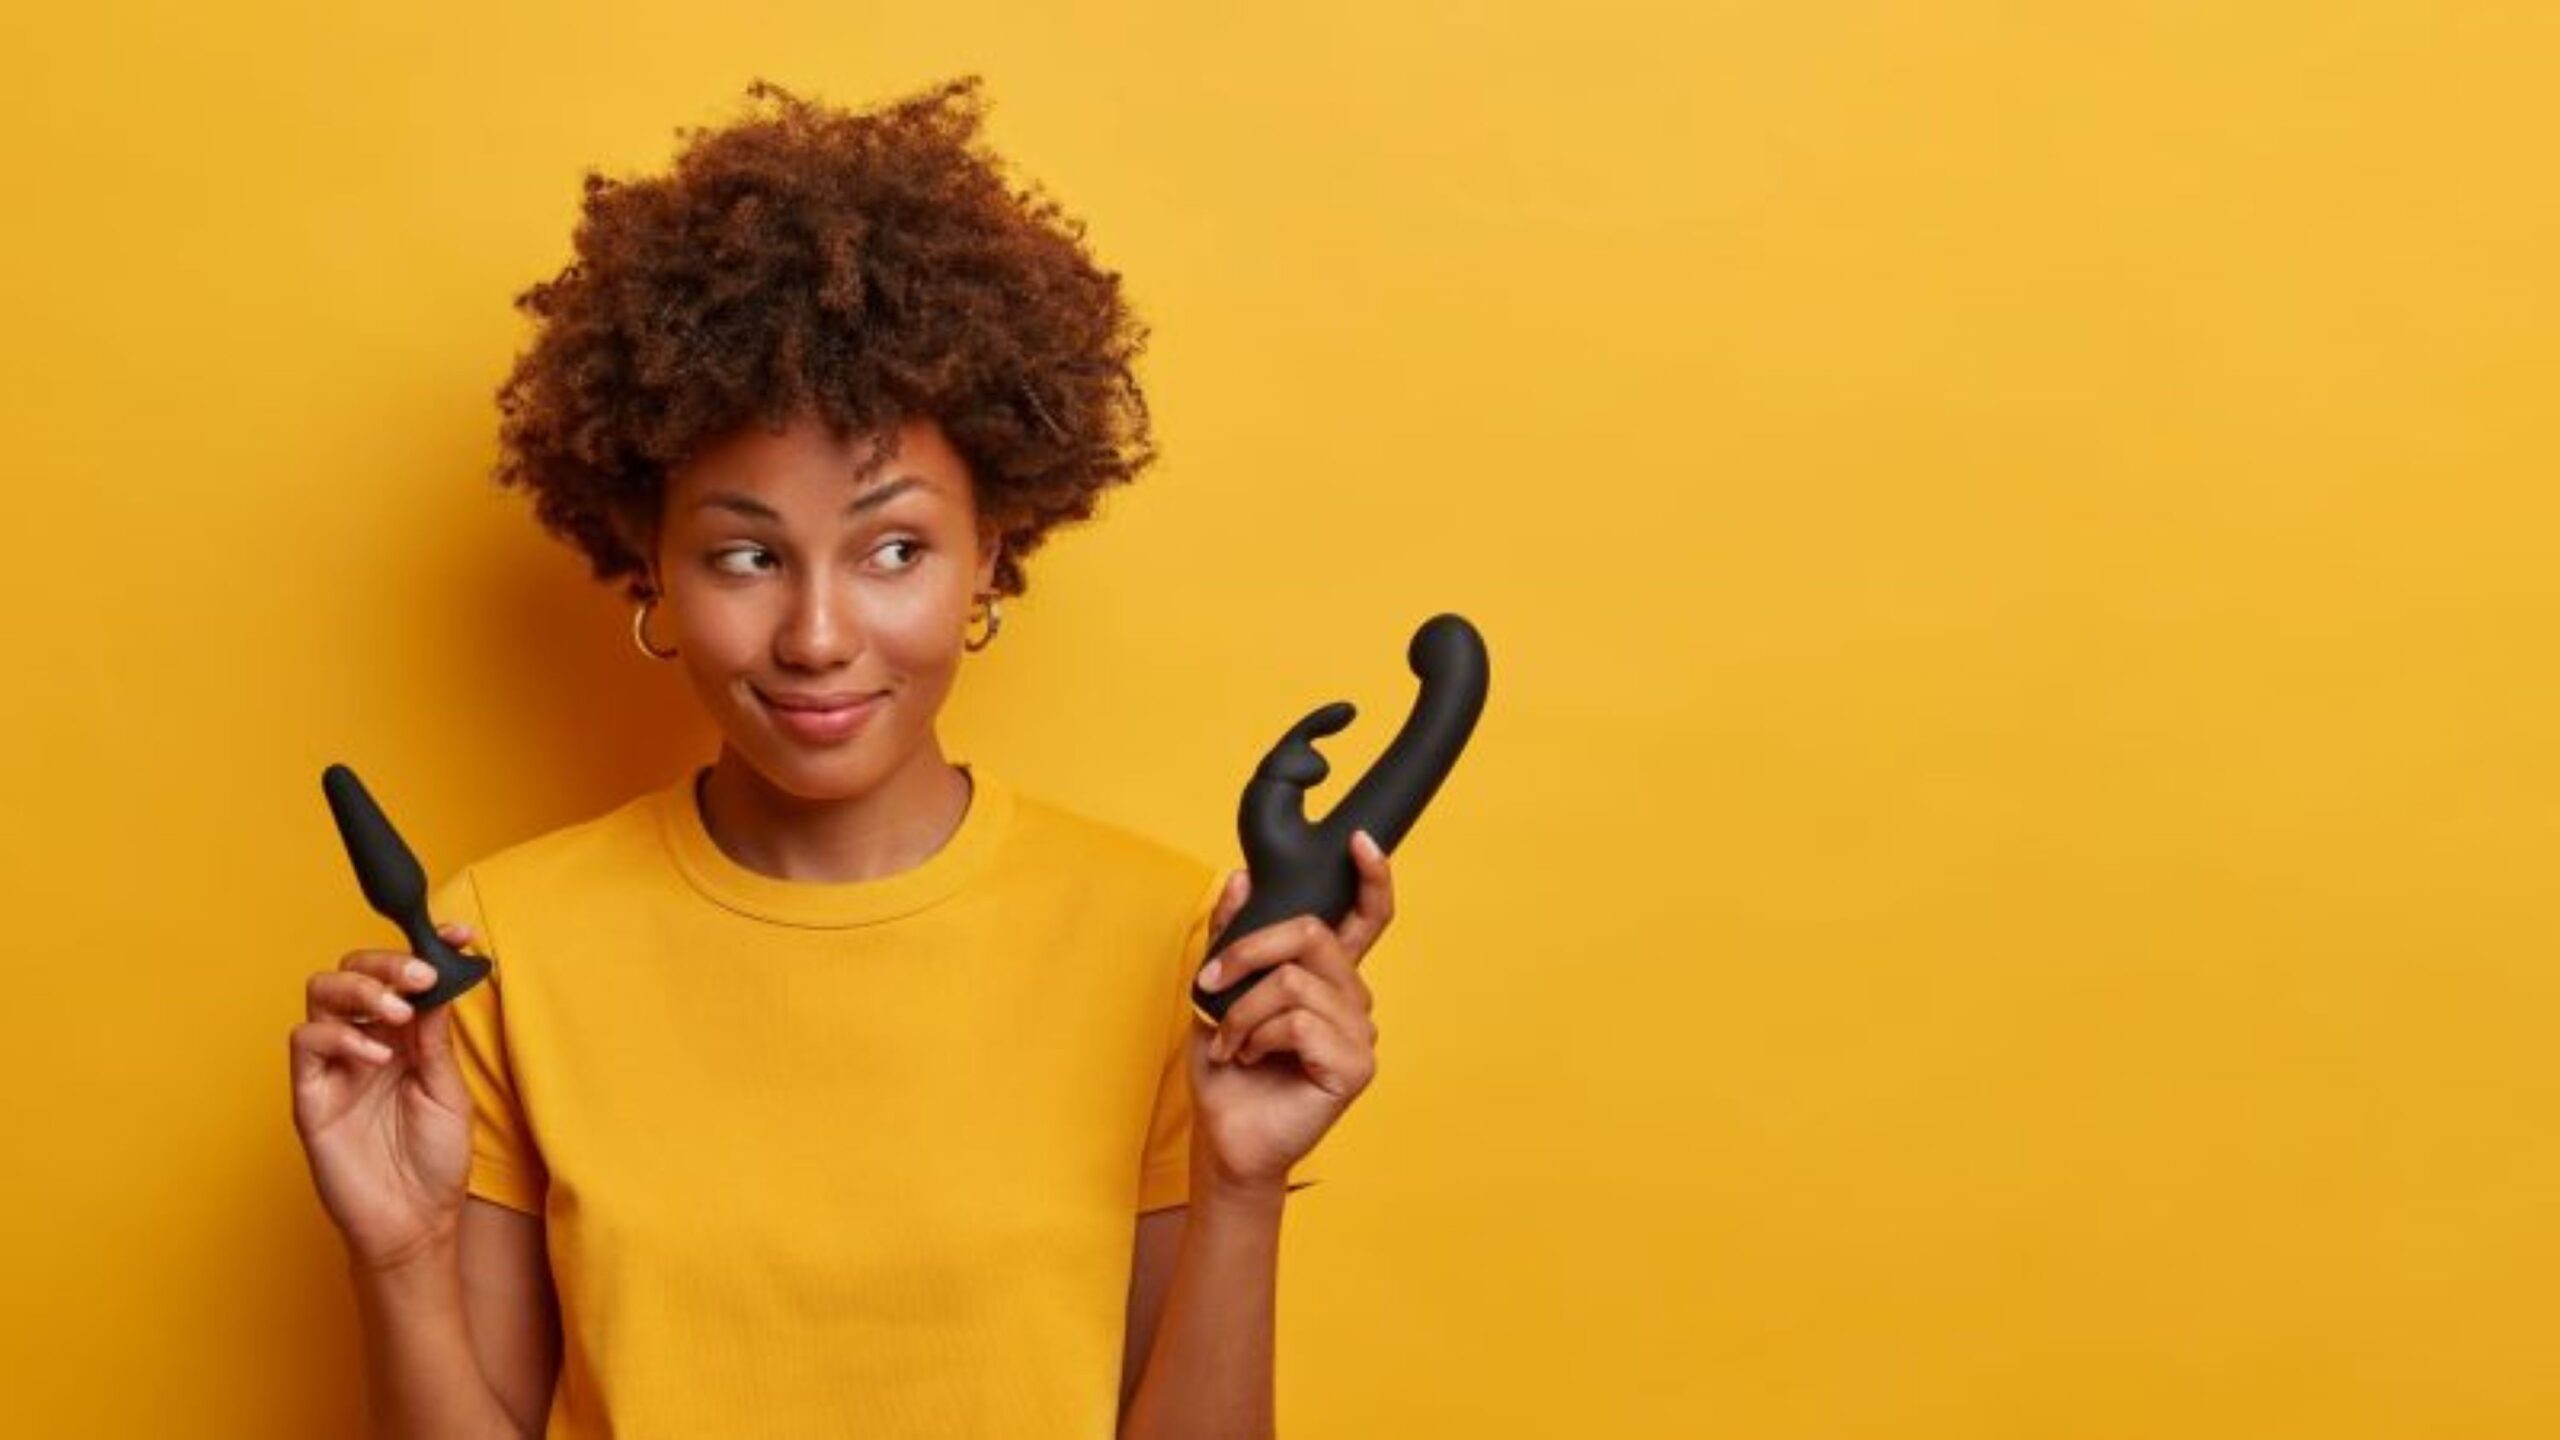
[(379, 1101)]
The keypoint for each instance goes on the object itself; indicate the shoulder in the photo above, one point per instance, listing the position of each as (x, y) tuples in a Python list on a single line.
[(1109, 852), (561, 860)]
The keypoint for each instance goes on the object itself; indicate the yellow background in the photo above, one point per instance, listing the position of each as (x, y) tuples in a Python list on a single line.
[(2005, 886)]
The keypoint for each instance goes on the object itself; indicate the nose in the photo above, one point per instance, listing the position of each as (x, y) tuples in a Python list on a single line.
[(818, 632)]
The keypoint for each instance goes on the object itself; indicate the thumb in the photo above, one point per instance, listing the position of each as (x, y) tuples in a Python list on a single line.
[(437, 1068), (1230, 900)]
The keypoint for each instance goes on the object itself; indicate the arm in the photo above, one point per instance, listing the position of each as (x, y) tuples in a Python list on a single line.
[(458, 1337), (1208, 1359), (1150, 1277), (1246, 1115), (513, 1315)]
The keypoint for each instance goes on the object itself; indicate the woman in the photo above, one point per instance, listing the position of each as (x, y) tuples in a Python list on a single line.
[(832, 1087)]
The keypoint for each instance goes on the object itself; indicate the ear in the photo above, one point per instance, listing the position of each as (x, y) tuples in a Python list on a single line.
[(990, 547), (638, 535)]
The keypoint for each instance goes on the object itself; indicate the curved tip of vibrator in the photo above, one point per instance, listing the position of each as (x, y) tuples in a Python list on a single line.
[(1443, 641)]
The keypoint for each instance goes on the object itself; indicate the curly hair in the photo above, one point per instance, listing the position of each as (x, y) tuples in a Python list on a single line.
[(878, 266)]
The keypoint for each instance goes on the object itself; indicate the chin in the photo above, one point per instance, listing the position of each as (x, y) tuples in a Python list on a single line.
[(837, 773)]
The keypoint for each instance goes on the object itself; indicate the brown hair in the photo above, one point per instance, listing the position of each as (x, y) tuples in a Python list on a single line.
[(877, 266)]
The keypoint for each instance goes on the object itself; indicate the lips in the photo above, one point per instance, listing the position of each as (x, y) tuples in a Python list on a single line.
[(837, 701), (821, 719)]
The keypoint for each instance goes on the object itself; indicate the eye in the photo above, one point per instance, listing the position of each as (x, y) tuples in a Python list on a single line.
[(911, 544), (717, 556)]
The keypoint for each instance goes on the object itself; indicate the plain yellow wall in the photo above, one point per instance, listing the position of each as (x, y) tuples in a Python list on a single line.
[(2005, 886)]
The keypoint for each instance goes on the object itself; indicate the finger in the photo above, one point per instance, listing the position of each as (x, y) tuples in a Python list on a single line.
[(306, 1052), (340, 995), (353, 997), (1333, 1060), (1230, 900), (315, 1043), (1302, 938), (398, 970), (1376, 903), (1291, 986)]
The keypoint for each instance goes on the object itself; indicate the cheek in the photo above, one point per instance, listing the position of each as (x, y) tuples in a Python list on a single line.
[(724, 634), (914, 632)]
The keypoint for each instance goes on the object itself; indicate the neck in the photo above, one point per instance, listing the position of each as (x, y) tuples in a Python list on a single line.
[(896, 825)]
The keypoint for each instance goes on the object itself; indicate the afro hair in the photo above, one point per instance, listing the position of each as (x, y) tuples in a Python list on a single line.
[(878, 266)]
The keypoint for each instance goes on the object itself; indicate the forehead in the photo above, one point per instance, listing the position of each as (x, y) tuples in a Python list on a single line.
[(804, 463)]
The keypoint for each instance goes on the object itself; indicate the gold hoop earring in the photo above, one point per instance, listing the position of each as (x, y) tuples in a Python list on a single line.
[(995, 622), (640, 632)]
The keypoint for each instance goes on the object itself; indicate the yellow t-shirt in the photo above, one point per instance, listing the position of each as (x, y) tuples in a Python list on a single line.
[(857, 1158)]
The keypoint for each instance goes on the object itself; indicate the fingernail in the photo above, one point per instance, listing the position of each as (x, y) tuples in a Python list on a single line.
[(1367, 841), (1209, 975), (418, 972), (395, 1008)]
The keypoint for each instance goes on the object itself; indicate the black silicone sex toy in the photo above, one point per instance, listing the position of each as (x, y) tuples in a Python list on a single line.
[(396, 887), (1303, 867)]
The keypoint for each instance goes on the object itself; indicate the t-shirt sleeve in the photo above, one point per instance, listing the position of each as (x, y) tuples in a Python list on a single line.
[(1165, 1177), (506, 1167)]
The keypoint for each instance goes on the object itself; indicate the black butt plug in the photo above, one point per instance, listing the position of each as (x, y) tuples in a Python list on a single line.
[(1299, 867), (396, 887)]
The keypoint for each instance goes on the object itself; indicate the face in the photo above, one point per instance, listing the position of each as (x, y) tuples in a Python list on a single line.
[(787, 574)]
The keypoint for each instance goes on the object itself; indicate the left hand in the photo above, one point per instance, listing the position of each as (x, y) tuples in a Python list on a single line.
[(1289, 1056)]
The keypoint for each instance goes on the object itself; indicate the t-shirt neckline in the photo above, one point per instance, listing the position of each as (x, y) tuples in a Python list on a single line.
[(833, 903)]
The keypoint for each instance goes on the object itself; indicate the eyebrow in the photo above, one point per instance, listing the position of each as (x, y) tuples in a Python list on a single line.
[(871, 499)]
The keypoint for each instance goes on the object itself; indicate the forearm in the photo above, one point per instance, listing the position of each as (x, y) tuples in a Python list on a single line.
[(422, 1380), (1208, 1375)]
